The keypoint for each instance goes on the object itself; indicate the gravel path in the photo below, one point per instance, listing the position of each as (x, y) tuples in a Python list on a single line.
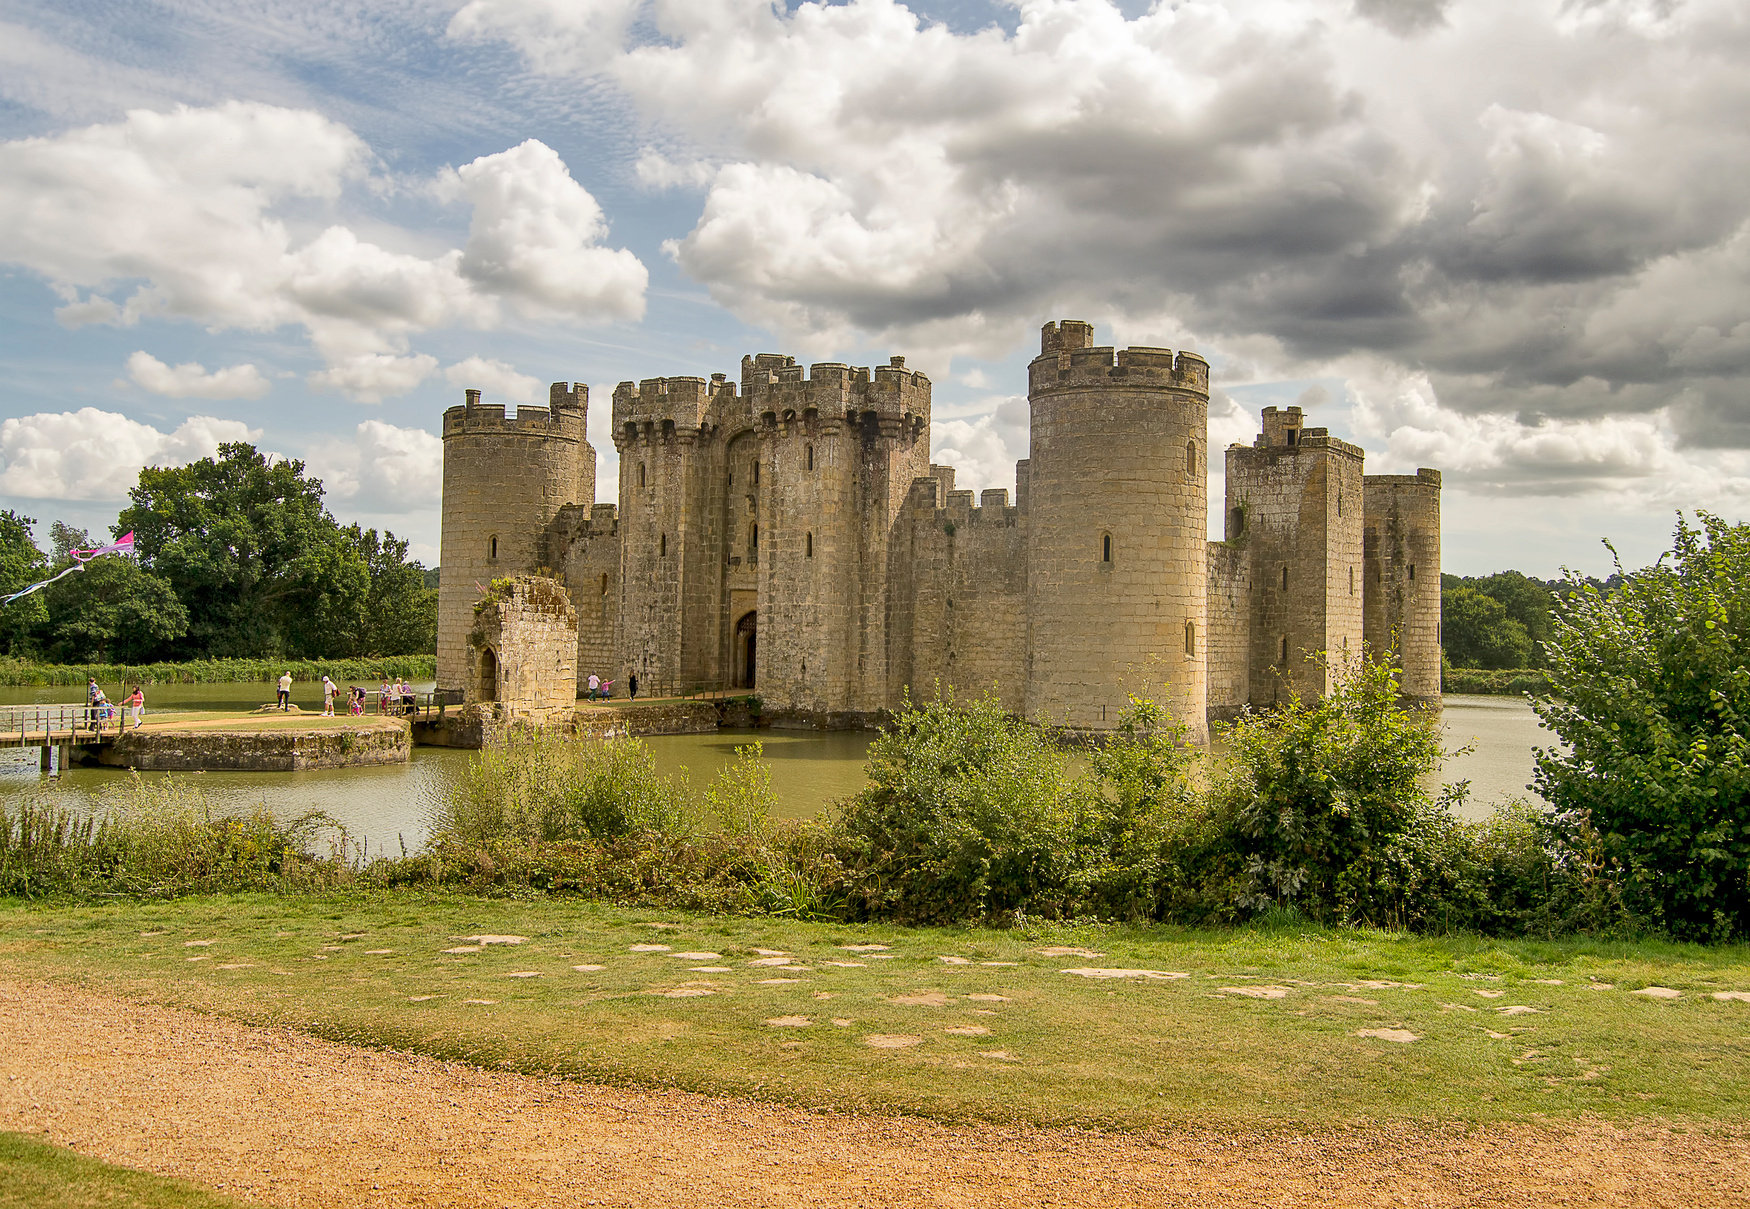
[(279, 1118)]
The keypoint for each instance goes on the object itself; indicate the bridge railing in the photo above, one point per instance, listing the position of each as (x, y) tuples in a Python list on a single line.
[(59, 718)]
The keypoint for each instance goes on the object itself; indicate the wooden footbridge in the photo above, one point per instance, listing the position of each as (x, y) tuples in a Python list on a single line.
[(58, 728)]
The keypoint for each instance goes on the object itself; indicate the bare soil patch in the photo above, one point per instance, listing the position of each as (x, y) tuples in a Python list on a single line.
[(287, 1120)]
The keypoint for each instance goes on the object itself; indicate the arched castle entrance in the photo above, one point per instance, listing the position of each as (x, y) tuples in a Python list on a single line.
[(488, 675), (746, 645)]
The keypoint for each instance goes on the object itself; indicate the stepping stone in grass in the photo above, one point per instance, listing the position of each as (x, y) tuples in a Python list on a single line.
[(486, 1002), (1481, 977), (696, 956), (789, 1022), (864, 948), (237, 965), (771, 961), (989, 998), (1724, 996), (840, 1022), (198, 944), (201, 958), (768, 952), (999, 963), (588, 969), (647, 949), (377, 952), (882, 956), (1260, 992), (1456, 1007), (522, 974), (1001, 1055), (1402, 1036), (922, 999), (709, 969), (1358, 999), (1549, 982), (1159, 975), (891, 1041), (1658, 992), (146, 934), (1489, 994), (332, 948), (422, 998), (1385, 984), (967, 1030), (847, 965), (776, 982), (955, 961), (684, 993), (464, 949), (1067, 951), (492, 940), (1519, 1009)]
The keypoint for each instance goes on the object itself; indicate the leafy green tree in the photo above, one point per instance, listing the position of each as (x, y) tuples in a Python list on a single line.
[(21, 564), (1526, 601), (114, 611), (400, 613), (249, 549), (1650, 695), (1476, 631)]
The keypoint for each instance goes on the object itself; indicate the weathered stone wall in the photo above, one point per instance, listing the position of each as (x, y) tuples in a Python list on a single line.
[(525, 645), (1230, 628), (584, 548), (505, 478), (1402, 576), (1117, 515), (379, 741), (1294, 498)]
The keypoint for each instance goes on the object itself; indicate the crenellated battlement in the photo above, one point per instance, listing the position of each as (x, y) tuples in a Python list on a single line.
[(776, 393), (665, 406), (1424, 478), (1071, 362), (564, 423)]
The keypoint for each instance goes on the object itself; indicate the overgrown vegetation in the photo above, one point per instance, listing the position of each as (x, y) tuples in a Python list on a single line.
[(15, 673)]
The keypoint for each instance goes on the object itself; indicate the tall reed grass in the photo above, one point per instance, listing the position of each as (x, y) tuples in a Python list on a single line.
[(16, 673)]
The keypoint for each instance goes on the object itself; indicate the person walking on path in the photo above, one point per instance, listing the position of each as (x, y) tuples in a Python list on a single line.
[(329, 689), (595, 686), (632, 686), (136, 705), (93, 695), (285, 701)]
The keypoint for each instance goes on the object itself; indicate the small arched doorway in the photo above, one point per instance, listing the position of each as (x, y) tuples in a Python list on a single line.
[(488, 675), (746, 649)]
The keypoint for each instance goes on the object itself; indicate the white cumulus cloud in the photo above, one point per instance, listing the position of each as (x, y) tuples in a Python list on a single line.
[(382, 470), (91, 454), (191, 380), (372, 377), (496, 379)]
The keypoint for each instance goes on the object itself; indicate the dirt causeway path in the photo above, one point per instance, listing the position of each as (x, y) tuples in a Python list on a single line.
[(279, 1118)]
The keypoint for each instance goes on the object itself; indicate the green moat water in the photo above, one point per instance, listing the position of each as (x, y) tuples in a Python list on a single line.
[(390, 805)]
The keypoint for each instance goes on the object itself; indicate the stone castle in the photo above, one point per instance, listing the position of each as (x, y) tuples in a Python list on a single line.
[(787, 535)]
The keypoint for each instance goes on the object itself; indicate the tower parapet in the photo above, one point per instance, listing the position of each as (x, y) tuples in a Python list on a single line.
[(664, 407)]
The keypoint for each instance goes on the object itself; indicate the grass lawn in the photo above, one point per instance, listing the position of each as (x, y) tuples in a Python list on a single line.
[(1287, 1027), (36, 1175)]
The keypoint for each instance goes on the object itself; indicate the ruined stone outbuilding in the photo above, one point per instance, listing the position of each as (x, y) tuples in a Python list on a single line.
[(786, 534)]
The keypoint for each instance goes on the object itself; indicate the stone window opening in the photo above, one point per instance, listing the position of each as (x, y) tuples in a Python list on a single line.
[(492, 547), (1191, 638), (753, 541), (641, 474), (1106, 549), (1412, 572), (1351, 581), (1339, 503), (756, 474), (1237, 522), (1285, 577), (604, 583), (1284, 656), (1191, 457), (810, 454), (662, 546), (808, 546), (1293, 436)]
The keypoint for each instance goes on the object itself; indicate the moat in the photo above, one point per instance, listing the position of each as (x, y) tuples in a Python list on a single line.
[(389, 805)]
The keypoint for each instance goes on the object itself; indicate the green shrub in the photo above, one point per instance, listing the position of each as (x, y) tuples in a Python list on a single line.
[(1651, 699), (16, 673), (1508, 682)]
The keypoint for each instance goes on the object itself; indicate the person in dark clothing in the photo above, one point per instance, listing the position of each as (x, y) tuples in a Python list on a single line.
[(632, 686)]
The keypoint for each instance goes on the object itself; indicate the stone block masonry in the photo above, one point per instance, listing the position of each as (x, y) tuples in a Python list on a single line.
[(783, 534)]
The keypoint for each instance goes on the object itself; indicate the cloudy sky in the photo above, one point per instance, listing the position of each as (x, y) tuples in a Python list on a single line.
[(1506, 238)]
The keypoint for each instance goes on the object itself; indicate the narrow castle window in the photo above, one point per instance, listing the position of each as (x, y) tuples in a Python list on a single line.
[(1412, 572), (753, 539), (1106, 547), (1339, 503), (1191, 638), (811, 457), (604, 583), (1191, 457), (1237, 522), (809, 551), (492, 546), (641, 474), (1351, 581), (1285, 578), (1294, 436), (756, 474), (1284, 657), (662, 546)]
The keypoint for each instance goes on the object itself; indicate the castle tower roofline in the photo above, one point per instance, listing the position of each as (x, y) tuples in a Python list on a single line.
[(1071, 365), (563, 423)]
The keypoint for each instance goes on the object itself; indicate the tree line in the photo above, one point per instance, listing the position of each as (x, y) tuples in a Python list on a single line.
[(238, 557), (1506, 619)]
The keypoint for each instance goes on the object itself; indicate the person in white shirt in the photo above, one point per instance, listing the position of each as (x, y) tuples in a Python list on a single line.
[(285, 701), (595, 686), (329, 691)]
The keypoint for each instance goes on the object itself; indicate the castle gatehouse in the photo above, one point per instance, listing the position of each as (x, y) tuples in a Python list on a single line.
[(787, 535)]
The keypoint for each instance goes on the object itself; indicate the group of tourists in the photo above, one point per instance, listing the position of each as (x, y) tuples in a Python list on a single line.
[(393, 698), (601, 690), (100, 709)]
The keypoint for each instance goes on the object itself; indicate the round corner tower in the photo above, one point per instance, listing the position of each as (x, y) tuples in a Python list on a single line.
[(1401, 577), (505, 476), (1117, 567)]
